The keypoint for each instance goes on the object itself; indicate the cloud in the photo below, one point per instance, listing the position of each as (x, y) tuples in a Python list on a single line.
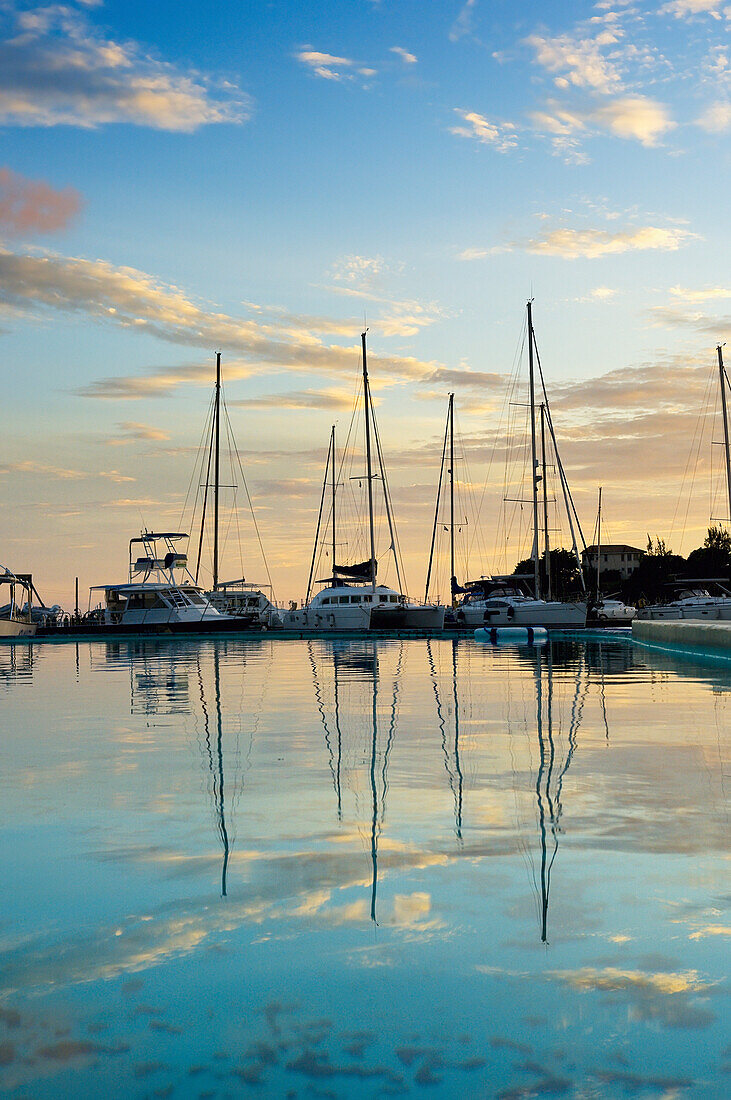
[(581, 61), (681, 9), (137, 432), (406, 57), (591, 243), (716, 118), (32, 206), (58, 473), (487, 133), (325, 65), (358, 270), (299, 399), (135, 300), (635, 118), (708, 294), (55, 69), (329, 66), (463, 23)]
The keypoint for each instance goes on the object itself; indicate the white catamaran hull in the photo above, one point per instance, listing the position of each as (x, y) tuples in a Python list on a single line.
[(408, 617), (353, 617)]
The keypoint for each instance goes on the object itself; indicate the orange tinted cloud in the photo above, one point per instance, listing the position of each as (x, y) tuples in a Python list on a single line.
[(33, 206)]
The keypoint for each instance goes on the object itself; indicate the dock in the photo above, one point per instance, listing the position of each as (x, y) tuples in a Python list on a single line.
[(709, 639)]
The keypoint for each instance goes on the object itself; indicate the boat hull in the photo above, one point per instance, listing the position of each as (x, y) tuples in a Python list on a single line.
[(405, 617), (11, 628), (529, 613), (708, 611), (353, 617)]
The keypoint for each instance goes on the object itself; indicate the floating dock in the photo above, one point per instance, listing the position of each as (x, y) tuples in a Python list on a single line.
[(688, 635)]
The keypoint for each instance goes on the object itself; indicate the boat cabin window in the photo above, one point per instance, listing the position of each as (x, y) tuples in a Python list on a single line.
[(144, 601), (326, 600), (343, 599), (194, 597)]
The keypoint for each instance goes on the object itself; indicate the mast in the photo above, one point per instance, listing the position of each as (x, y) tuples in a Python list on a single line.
[(722, 373), (534, 459), (366, 397), (216, 467), (436, 510), (599, 542), (451, 495), (332, 448), (545, 500)]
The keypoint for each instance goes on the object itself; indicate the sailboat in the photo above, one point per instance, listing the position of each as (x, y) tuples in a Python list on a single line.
[(237, 598), (694, 600), (351, 598), (605, 609), (16, 619), (495, 600)]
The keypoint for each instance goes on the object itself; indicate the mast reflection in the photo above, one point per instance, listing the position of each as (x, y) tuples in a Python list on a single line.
[(550, 774), (354, 664), (452, 762)]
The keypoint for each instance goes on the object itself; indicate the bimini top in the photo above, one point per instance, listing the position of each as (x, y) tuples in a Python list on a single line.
[(150, 536), (145, 586)]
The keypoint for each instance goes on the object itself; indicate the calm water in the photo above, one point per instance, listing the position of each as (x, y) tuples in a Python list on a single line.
[(316, 869)]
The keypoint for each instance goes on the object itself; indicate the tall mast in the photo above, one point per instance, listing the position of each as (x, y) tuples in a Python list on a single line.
[(367, 400), (451, 495), (599, 543), (332, 448), (722, 373), (216, 467), (545, 500), (534, 459)]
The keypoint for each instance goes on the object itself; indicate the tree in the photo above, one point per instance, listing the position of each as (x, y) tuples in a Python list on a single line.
[(652, 579), (565, 573), (713, 559)]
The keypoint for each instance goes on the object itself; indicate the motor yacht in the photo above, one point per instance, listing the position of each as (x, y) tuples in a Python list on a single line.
[(160, 592), (697, 600), (503, 602)]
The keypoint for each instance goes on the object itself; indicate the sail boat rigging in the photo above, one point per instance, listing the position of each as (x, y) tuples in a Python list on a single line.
[(695, 599), (352, 599), (237, 598), (496, 600)]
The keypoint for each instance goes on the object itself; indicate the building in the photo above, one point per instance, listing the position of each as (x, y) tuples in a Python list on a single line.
[(615, 558)]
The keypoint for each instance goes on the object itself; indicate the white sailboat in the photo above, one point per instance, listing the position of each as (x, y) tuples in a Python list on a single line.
[(694, 600), (16, 617), (601, 608), (501, 600), (352, 599), (238, 598)]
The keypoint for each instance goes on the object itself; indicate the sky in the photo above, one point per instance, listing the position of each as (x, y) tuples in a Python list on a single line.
[(265, 179)]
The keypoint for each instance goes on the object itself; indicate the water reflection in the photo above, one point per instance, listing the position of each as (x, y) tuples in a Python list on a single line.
[(349, 672), (536, 833)]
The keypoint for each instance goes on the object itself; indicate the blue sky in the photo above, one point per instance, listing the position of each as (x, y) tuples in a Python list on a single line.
[(260, 177)]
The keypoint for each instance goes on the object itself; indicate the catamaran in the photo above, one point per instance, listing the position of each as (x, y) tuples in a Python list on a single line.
[(352, 599)]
